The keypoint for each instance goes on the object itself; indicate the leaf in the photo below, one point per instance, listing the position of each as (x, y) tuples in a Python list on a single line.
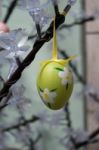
[(53, 90), (60, 69)]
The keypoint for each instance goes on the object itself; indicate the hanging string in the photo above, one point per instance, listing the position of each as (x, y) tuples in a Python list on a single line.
[(54, 49)]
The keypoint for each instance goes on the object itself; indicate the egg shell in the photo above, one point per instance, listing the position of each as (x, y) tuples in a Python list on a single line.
[(51, 80)]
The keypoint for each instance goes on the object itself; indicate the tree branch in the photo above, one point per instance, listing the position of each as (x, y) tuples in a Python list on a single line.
[(68, 116), (18, 125), (90, 138), (78, 22), (60, 18), (10, 10)]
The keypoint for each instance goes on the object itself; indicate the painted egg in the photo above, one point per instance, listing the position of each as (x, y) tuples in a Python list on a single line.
[(55, 84)]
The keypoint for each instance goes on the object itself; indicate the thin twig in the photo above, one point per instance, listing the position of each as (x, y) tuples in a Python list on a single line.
[(69, 123), (10, 10), (18, 125), (33, 142), (38, 30), (90, 138), (68, 116), (1, 79), (56, 8), (81, 21), (87, 142), (78, 22)]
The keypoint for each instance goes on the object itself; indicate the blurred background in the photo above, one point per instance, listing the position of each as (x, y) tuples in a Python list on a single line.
[(26, 123)]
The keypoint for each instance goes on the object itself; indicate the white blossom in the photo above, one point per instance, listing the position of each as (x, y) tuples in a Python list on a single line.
[(48, 96), (14, 44), (65, 75)]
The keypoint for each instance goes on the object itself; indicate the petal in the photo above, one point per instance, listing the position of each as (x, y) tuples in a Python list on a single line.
[(23, 40), (11, 55), (5, 43), (61, 74), (66, 71), (19, 53), (53, 94), (46, 91), (24, 48)]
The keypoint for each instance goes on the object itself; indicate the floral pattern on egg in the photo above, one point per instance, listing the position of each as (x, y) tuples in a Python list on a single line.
[(65, 76), (48, 96), (57, 76)]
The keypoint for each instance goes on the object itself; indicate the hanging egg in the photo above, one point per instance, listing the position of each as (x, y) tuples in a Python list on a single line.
[(55, 79), (55, 84)]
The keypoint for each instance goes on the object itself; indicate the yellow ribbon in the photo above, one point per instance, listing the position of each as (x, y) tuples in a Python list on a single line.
[(55, 51)]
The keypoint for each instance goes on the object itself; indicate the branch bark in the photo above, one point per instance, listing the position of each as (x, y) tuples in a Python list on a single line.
[(91, 137), (10, 10), (18, 125)]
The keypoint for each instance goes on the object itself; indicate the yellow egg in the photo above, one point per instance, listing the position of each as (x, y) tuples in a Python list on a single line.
[(55, 84), (55, 79)]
